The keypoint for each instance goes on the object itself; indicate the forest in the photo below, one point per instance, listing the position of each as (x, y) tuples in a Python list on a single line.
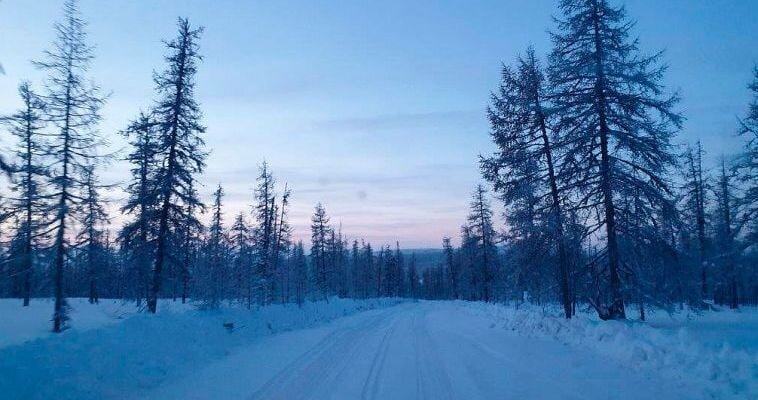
[(604, 208)]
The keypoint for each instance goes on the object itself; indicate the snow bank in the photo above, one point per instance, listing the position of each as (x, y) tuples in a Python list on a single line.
[(21, 324), (674, 350), (143, 351)]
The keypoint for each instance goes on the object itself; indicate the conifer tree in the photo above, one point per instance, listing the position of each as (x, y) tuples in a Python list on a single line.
[(413, 278), (369, 275), (92, 237), (483, 236), (28, 202), (300, 273), (72, 106), (357, 271), (453, 272), (137, 235), (179, 150), (747, 164), (189, 234), (265, 215), (320, 233), (282, 241), (214, 277), (694, 206), (611, 109), (727, 234), (528, 160), (240, 240)]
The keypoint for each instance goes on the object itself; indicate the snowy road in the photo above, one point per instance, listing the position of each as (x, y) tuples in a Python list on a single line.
[(415, 351)]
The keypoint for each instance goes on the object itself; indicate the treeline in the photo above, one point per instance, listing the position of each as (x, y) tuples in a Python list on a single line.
[(601, 208), (60, 244)]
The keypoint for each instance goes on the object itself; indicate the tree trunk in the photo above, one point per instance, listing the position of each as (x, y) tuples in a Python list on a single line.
[(615, 310), (700, 205), (563, 267), (59, 313)]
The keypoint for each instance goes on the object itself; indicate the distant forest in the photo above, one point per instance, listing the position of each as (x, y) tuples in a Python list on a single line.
[(602, 209)]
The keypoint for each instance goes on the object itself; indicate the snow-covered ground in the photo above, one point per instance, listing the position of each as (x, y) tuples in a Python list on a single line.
[(18, 325), (715, 351), (122, 354), (382, 349)]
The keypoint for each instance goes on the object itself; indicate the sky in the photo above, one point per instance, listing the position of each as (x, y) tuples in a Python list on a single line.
[(377, 109)]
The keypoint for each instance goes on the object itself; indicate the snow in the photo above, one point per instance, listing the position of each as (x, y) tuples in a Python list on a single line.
[(21, 324), (717, 350), (105, 358), (379, 349), (426, 350)]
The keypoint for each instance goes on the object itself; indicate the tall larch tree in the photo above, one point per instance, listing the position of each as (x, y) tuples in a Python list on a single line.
[(179, 149), (610, 107), (528, 161), (73, 106)]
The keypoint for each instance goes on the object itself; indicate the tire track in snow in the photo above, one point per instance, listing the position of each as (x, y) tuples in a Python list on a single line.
[(494, 356), (371, 385), (313, 368), (432, 381)]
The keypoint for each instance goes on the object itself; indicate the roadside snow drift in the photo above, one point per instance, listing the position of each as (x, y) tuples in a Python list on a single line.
[(21, 324), (718, 349)]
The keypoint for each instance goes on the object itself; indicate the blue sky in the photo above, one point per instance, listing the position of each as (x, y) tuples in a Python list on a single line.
[(375, 108)]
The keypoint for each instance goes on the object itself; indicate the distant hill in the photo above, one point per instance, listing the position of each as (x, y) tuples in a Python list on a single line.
[(425, 258)]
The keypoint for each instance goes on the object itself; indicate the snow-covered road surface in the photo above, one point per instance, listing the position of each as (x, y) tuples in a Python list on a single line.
[(426, 350)]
